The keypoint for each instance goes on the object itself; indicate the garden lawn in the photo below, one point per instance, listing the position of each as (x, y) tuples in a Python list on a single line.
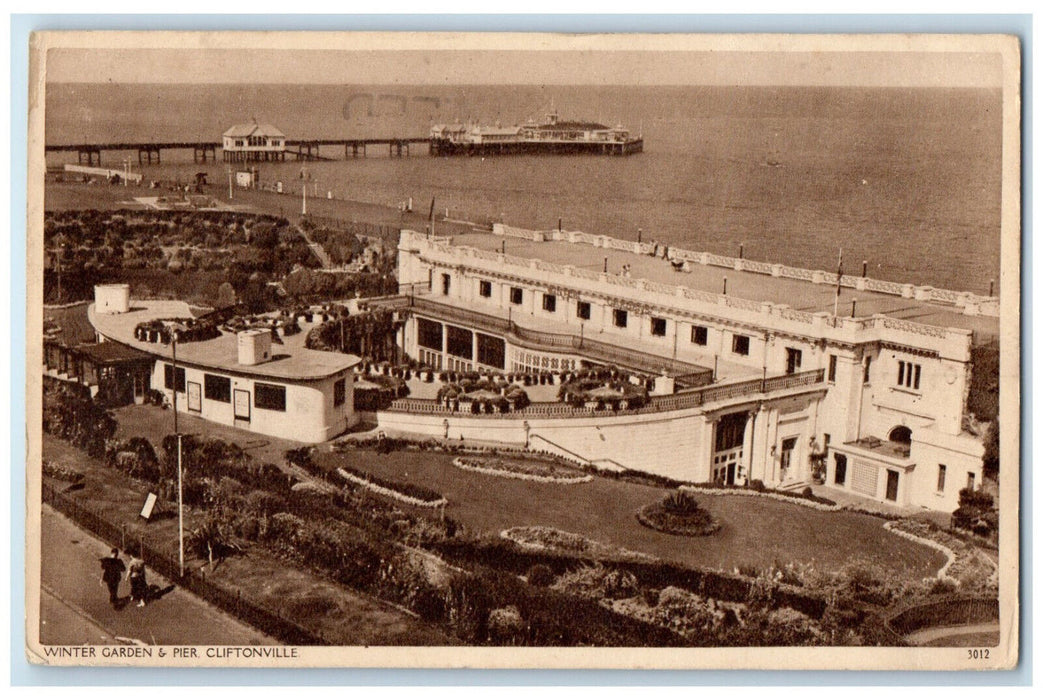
[(342, 616), (754, 530)]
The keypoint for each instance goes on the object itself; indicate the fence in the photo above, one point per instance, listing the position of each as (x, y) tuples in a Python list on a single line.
[(944, 296), (949, 611), (166, 564), (692, 398)]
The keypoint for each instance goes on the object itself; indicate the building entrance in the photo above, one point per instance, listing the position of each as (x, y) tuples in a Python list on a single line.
[(728, 443)]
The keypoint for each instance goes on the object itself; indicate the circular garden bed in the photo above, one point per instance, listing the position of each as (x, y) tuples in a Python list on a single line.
[(678, 514), (526, 469)]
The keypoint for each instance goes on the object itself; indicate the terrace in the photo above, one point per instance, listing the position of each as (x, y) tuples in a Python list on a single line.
[(753, 282)]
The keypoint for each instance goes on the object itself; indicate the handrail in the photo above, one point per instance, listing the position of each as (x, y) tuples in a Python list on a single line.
[(576, 455), (692, 398)]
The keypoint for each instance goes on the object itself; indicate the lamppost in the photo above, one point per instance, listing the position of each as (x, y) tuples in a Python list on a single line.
[(229, 182), (180, 502)]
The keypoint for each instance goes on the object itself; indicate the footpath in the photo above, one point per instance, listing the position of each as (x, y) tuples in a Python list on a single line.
[(75, 606)]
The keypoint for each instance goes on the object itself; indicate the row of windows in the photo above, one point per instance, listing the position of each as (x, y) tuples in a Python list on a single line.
[(217, 388), (908, 375), (941, 479)]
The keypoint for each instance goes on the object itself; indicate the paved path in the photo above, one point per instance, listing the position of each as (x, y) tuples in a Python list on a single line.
[(925, 637), (75, 605)]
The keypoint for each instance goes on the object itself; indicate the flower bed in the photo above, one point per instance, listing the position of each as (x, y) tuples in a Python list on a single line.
[(528, 470), (61, 472), (965, 564), (549, 539), (678, 514), (400, 491), (810, 501)]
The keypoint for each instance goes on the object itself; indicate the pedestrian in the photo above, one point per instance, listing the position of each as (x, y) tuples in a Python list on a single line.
[(138, 583), (112, 568)]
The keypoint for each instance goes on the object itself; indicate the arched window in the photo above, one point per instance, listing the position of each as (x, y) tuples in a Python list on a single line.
[(901, 434)]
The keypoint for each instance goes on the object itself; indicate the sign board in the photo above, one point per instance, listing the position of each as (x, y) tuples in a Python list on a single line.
[(150, 503), (242, 404), (195, 402)]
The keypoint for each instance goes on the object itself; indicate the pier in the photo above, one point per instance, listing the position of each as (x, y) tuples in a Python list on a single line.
[(89, 154)]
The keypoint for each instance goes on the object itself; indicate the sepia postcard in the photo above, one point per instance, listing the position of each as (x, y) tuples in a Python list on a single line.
[(485, 350)]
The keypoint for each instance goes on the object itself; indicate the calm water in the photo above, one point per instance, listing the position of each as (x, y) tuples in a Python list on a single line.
[(908, 179)]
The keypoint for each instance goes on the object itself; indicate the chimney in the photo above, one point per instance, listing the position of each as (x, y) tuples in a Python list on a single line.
[(112, 298), (255, 346)]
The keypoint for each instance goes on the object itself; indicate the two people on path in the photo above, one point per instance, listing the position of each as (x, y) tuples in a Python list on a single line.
[(112, 568)]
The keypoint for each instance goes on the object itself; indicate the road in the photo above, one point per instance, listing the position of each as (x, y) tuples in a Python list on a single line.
[(75, 605)]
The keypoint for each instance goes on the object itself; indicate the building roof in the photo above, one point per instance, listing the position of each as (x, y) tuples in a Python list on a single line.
[(798, 294), (253, 129), (111, 353), (68, 325), (291, 361)]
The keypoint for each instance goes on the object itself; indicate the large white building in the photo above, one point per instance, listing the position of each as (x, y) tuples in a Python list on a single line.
[(239, 379), (877, 392)]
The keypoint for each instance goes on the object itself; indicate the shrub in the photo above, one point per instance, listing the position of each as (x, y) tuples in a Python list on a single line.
[(678, 514), (540, 575)]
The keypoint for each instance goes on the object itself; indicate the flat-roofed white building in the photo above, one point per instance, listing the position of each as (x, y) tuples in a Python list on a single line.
[(242, 379), (876, 396)]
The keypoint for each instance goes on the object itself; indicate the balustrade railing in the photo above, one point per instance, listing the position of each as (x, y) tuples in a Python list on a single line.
[(692, 398)]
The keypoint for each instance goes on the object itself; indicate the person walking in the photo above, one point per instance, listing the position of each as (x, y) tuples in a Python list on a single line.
[(138, 582), (112, 568)]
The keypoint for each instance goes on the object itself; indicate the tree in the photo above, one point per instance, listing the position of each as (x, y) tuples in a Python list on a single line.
[(225, 295)]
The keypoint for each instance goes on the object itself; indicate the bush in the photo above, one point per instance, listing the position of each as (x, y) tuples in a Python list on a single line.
[(678, 514), (540, 575)]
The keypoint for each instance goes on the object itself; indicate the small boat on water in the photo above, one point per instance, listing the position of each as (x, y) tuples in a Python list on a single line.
[(552, 136)]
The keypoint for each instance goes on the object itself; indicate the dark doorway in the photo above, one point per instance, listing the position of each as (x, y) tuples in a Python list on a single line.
[(840, 469), (892, 485)]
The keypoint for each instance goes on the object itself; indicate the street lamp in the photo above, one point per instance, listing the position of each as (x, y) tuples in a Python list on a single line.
[(180, 502), (229, 182)]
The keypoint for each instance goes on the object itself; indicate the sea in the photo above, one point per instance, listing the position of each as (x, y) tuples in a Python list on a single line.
[(905, 179)]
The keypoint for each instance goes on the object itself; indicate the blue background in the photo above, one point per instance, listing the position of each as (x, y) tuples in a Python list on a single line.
[(23, 674)]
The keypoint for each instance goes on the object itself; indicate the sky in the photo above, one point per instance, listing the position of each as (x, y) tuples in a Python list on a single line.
[(580, 63)]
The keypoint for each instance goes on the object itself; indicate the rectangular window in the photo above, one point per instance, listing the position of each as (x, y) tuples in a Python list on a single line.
[(492, 351), (485, 288), (169, 378), (340, 392), (741, 344), (832, 375), (699, 335), (865, 370), (970, 481), (583, 310), (908, 375), (459, 342), (619, 318), (550, 303), (217, 388), (825, 439), (793, 360), (516, 295), (445, 284), (270, 396), (941, 478), (429, 334), (659, 326)]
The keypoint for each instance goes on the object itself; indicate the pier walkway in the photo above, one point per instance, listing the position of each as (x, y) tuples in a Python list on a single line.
[(202, 151)]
